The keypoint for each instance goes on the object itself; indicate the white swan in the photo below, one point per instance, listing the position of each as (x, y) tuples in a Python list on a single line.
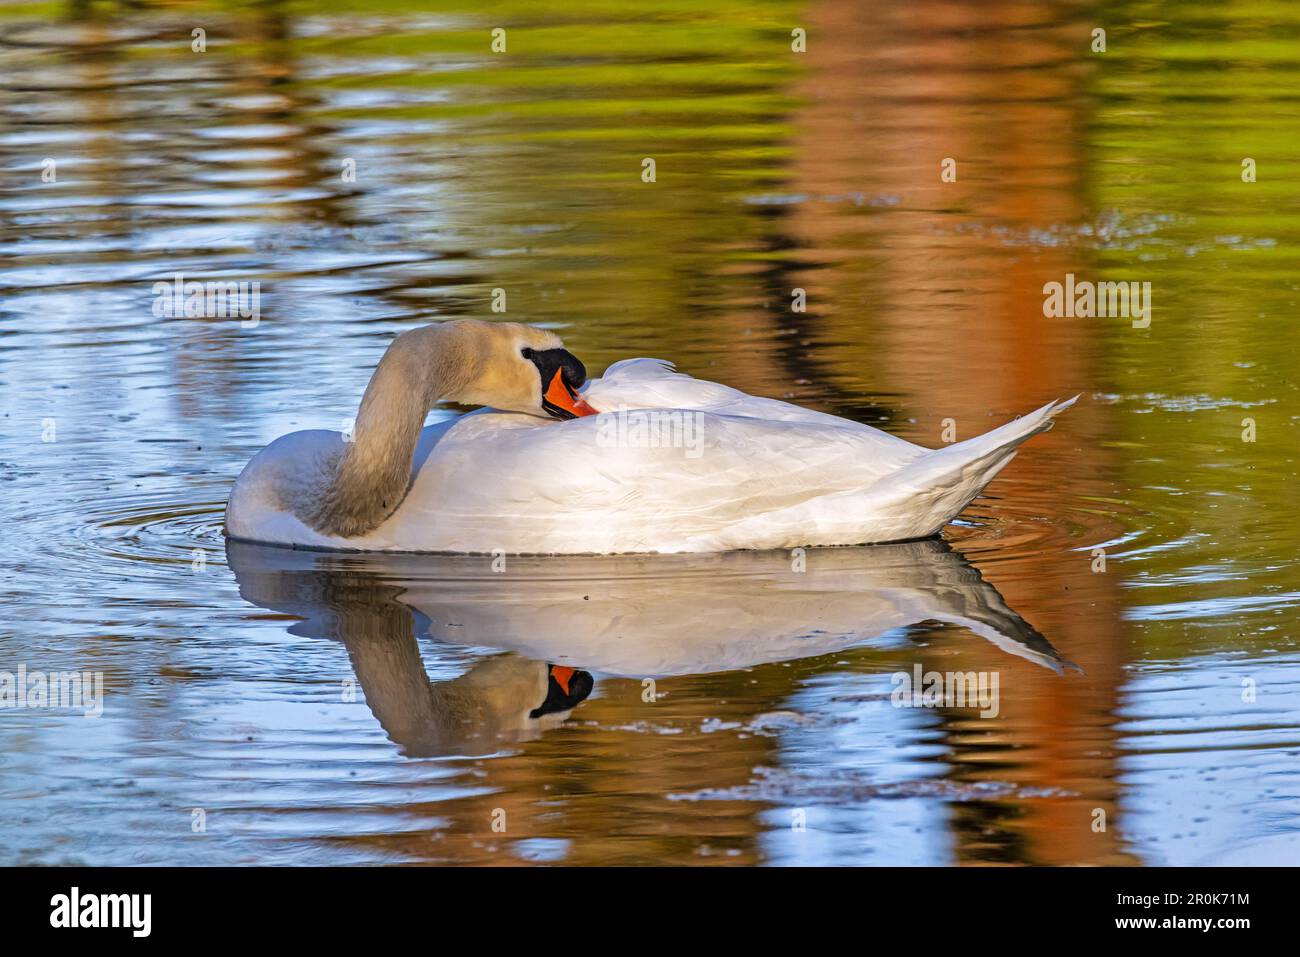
[(675, 464)]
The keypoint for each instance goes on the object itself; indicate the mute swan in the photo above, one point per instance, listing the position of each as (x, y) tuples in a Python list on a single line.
[(675, 464)]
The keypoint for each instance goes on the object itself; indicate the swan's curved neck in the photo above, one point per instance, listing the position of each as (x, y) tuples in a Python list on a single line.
[(371, 476)]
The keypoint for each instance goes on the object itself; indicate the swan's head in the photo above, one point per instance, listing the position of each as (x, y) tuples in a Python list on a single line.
[(518, 368)]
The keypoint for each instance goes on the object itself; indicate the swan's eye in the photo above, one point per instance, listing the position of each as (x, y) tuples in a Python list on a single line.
[(527, 353)]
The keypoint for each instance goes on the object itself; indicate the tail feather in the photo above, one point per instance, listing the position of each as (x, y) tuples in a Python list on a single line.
[(938, 485)]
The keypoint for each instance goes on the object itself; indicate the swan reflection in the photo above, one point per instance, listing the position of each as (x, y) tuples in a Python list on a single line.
[(623, 616)]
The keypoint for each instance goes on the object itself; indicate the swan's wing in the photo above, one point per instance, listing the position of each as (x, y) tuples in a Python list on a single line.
[(654, 384)]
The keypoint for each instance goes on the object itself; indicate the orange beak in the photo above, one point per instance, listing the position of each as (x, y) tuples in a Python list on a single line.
[(562, 397), (562, 676)]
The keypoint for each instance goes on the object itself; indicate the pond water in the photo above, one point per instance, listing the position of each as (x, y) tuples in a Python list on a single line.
[(1130, 581)]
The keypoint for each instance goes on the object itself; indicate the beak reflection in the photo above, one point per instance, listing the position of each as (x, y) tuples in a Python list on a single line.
[(562, 402)]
